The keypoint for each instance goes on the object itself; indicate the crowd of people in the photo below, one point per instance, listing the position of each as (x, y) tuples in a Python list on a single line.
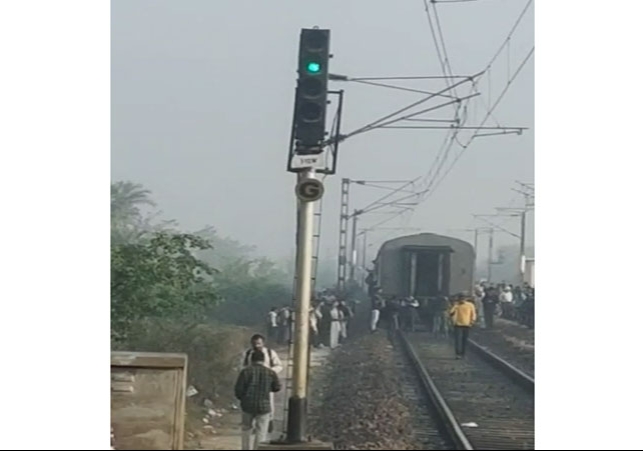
[(330, 319), (510, 302), (453, 316)]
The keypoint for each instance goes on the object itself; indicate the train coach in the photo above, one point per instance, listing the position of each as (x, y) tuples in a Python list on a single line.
[(425, 265)]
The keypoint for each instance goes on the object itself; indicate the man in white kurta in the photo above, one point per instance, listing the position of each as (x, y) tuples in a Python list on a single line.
[(336, 318)]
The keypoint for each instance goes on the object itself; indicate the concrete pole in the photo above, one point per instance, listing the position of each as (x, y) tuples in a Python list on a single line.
[(297, 404), (490, 263), (364, 260), (353, 247), (475, 250), (523, 225)]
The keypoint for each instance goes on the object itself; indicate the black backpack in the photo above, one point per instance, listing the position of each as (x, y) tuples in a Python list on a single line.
[(246, 361)]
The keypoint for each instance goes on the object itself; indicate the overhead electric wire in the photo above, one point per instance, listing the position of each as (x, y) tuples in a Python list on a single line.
[(373, 124), (388, 188), (401, 88), (417, 77), (444, 59), (454, 138), (398, 119), (496, 103), (434, 178)]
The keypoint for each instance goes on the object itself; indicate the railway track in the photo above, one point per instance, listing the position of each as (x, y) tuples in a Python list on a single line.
[(427, 428), (481, 402), (510, 342)]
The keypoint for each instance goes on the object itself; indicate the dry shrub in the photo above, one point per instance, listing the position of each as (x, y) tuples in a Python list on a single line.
[(213, 351)]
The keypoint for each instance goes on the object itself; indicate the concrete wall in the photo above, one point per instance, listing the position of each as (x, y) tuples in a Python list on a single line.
[(148, 400), (391, 266)]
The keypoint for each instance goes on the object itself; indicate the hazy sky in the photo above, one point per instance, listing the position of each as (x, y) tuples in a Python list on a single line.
[(202, 95)]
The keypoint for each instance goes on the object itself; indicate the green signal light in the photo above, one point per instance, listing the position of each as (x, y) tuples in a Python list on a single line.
[(313, 68)]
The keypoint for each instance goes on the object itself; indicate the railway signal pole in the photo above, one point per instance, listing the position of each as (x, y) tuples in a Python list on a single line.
[(307, 143), (308, 191)]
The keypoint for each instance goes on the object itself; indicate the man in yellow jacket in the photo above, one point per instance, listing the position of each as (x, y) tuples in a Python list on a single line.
[(463, 315)]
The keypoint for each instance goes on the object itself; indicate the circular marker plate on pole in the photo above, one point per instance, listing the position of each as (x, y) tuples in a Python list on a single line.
[(309, 190)]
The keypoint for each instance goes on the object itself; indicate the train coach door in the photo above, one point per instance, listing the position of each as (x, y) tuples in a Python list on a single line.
[(412, 271), (427, 271), (413, 274), (444, 273)]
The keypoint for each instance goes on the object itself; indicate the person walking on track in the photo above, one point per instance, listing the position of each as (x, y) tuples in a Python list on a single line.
[(463, 314), (255, 385)]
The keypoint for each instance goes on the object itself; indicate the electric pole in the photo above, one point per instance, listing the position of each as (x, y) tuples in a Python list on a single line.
[(343, 236), (356, 213), (490, 261), (528, 192), (348, 256)]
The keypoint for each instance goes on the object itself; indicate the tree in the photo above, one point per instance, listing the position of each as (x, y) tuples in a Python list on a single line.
[(248, 289), (126, 200), (129, 223), (159, 272), (159, 278), (224, 250)]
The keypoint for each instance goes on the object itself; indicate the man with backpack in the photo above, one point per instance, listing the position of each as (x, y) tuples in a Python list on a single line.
[(255, 389), (271, 361)]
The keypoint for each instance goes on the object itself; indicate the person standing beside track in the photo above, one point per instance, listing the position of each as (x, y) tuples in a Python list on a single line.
[(489, 304), (506, 302), (336, 317), (478, 296), (463, 314), (316, 316), (285, 317), (441, 316), (273, 326), (346, 316), (409, 306), (376, 309)]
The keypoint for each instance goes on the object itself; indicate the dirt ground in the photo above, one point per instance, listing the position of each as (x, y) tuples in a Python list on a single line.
[(224, 430), (224, 433)]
